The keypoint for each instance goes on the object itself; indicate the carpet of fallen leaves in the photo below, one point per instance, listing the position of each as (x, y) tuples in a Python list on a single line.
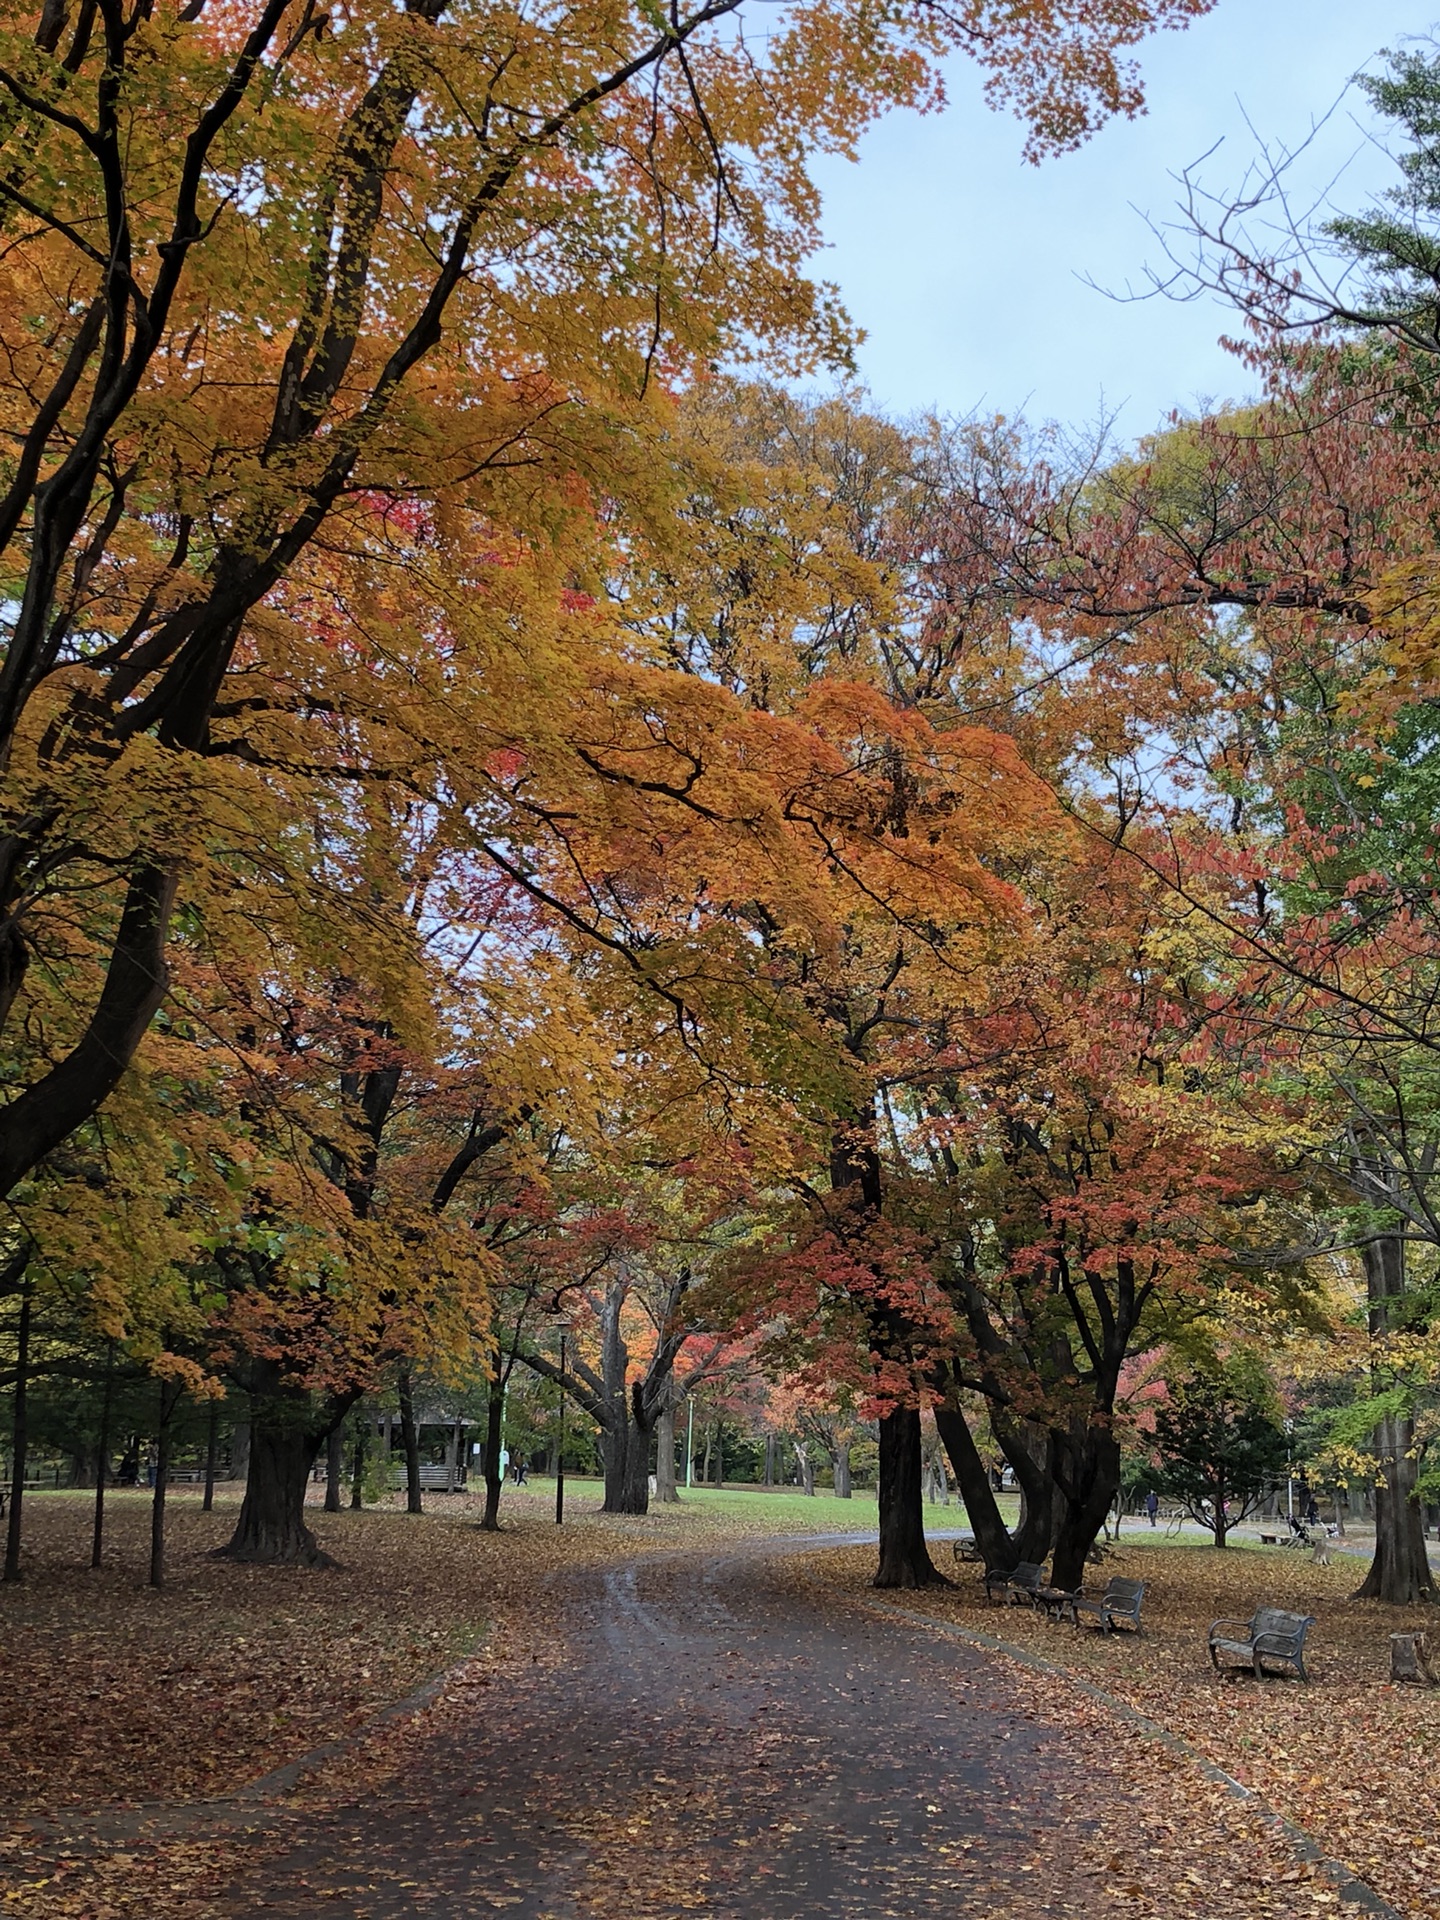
[(119, 1704), (1350, 1758), (115, 1700), (112, 1692)]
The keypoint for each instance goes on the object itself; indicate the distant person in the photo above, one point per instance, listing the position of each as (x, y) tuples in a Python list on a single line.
[(521, 1470), (1312, 1510), (1152, 1505)]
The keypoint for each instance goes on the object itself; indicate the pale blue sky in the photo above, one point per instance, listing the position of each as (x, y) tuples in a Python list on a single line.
[(964, 264)]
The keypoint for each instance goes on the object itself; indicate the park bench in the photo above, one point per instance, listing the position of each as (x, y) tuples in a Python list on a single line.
[(1015, 1583), (1120, 1601), (967, 1547), (1269, 1634)]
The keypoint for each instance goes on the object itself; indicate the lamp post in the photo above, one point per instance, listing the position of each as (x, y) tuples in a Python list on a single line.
[(560, 1455), (1289, 1472)]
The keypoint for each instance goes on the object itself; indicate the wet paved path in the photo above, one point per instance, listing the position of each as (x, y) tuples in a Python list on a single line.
[(719, 1736)]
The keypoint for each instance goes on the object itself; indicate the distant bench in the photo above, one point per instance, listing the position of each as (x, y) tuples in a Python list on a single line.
[(1269, 1634)]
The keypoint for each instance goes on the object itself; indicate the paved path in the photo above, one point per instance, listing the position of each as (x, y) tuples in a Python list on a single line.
[(721, 1737)]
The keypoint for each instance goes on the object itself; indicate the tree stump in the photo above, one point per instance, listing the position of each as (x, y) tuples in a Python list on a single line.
[(1410, 1658)]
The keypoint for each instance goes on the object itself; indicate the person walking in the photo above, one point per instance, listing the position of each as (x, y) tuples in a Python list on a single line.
[(1152, 1505)]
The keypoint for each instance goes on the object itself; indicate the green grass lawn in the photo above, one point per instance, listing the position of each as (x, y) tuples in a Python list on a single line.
[(788, 1510)]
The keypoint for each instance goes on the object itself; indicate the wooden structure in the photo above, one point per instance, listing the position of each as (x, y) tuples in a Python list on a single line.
[(444, 1453)]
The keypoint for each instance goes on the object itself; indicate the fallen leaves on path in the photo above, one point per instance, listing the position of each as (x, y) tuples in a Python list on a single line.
[(113, 1692), (1350, 1758)]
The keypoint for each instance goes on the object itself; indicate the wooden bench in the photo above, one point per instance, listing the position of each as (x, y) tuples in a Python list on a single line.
[(1120, 1601), (1015, 1583), (1270, 1540), (1269, 1634)]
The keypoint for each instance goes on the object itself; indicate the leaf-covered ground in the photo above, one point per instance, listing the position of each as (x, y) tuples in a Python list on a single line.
[(714, 1733), (114, 1698), (1350, 1758), (112, 1692)]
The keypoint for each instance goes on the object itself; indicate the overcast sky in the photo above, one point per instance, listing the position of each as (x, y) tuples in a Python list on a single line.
[(965, 265)]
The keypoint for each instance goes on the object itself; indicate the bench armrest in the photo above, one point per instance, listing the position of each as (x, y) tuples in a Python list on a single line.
[(1215, 1626)]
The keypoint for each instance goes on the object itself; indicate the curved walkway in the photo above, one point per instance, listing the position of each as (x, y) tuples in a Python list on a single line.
[(721, 1737)]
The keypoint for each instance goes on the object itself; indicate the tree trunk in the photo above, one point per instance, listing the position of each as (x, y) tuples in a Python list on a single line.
[(625, 1446), (1399, 1574), (904, 1559), (410, 1440), (720, 1453), (1219, 1524), (334, 1468), (494, 1433), (357, 1469), (240, 1451), (806, 1466), (283, 1447), (840, 1461), (1088, 1462), (1030, 1450), (169, 1400), (992, 1536), (705, 1464), (19, 1436), (102, 1464), (666, 1491), (769, 1460), (636, 1498), (212, 1448)]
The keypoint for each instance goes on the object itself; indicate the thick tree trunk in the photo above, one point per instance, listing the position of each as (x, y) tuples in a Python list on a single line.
[(357, 1469), (806, 1466), (705, 1463), (637, 1468), (769, 1460), (1030, 1450), (283, 1446), (666, 1491), (19, 1433), (625, 1446), (1089, 1475), (992, 1536), (904, 1558), (410, 1440), (334, 1468), (840, 1462), (1400, 1572), (494, 1434)]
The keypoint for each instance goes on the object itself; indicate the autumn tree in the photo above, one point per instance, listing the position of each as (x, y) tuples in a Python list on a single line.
[(334, 280), (1219, 1445)]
